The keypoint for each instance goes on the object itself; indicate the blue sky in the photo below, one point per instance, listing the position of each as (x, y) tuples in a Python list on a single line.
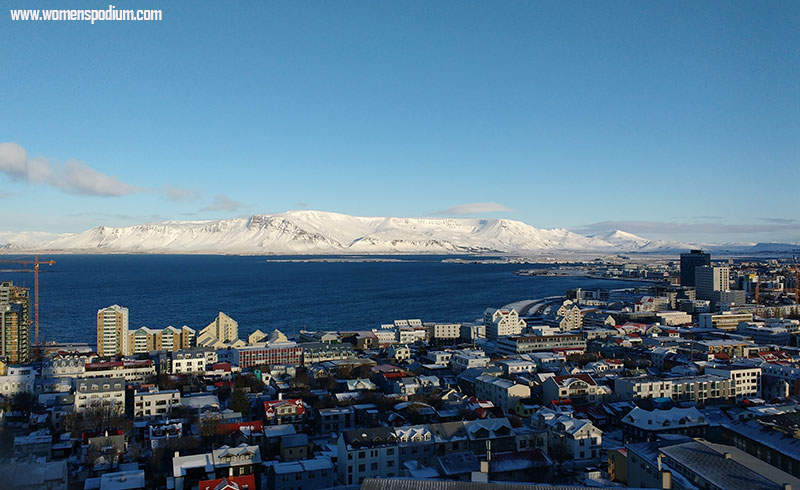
[(677, 120)]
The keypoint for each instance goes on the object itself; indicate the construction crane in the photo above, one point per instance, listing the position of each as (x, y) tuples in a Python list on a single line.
[(796, 271), (758, 286), (35, 263)]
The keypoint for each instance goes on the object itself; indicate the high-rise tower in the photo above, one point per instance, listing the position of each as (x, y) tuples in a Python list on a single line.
[(112, 331)]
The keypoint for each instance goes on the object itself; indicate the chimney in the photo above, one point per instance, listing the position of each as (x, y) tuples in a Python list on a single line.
[(280, 396), (787, 486), (728, 455), (666, 480), (177, 454)]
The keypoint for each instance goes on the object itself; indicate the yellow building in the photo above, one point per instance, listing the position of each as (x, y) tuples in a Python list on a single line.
[(144, 339), (112, 331)]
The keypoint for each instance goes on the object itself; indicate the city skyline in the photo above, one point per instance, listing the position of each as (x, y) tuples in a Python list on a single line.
[(674, 122)]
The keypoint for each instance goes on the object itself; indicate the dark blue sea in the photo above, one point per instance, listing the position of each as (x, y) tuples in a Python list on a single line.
[(259, 292)]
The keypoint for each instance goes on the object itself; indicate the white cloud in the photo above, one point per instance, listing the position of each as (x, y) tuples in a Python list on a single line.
[(476, 208), (223, 203), (74, 176), (180, 194)]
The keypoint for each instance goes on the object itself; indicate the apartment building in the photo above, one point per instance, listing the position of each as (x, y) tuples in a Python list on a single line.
[(699, 389), (765, 334), (155, 403), (466, 359), (108, 393), (17, 379), (112, 331), (726, 320), (314, 352), (191, 361), (367, 453), (14, 323), (66, 365), (582, 439), (503, 393), (222, 332), (267, 354), (502, 323), (130, 370), (745, 380), (443, 331), (537, 343), (144, 339)]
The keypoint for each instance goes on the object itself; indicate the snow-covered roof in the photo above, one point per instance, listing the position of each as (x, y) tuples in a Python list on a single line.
[(664, 419)]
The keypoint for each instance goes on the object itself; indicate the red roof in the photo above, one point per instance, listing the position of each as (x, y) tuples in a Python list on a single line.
[(270, 406), (254, 426), (221, 366), (230, 483), (103, 365)]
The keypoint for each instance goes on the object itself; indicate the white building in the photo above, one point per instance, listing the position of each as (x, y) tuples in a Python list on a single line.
[(503, 393), (100, 392), (443, 331), (385, 336), (694, 388), (131, 370), (745, 380), (155, 403), (18, 379), (502, 322), (517, 366), (465, 359), (399, 352), (671, 318), (407, 335), (581, 438), (192, 361), (723, 321), (66, 365)]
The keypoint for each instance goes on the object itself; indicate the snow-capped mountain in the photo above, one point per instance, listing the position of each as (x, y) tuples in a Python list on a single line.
[(632, 243), (29, 240), (315, 232)]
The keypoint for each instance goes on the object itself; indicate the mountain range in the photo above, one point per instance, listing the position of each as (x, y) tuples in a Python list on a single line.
[(316, 232)]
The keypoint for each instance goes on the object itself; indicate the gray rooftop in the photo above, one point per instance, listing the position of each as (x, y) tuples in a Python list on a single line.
[(710, 463), (409, 484)]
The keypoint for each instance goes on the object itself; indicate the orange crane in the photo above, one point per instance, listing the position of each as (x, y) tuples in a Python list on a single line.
[(35, 263), (796, 271)]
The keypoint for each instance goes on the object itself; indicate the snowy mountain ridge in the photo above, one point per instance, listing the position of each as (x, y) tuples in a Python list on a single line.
[(317, 232)]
